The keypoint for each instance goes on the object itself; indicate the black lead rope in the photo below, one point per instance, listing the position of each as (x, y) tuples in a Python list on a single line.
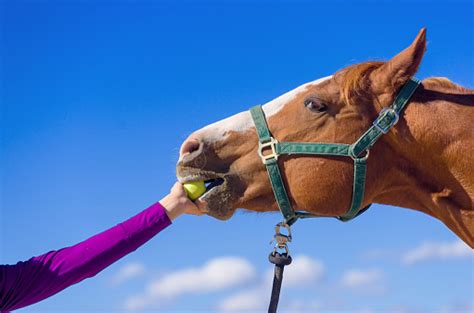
[(280, 260)]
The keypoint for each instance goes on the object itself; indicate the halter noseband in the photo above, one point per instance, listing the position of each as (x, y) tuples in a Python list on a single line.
[(358, 151)]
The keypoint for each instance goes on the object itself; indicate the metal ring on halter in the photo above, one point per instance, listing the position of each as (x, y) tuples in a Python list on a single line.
[(355, 157)]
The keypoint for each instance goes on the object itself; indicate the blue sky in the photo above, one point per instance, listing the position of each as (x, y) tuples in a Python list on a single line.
[(98, 95)]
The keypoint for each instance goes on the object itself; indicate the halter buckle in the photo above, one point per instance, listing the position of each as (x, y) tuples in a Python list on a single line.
[(263, 145), (383, 115)]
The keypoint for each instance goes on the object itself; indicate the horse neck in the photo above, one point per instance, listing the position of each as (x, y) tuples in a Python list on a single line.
[(431, 156)]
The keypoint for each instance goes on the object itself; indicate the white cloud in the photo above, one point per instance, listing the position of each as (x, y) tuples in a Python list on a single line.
[(463, 307), (214, 275), (255, 299), (127, 272), (357, 278), (299, 305), (303, 271), (137, 302), (437, 251), (217, 274)]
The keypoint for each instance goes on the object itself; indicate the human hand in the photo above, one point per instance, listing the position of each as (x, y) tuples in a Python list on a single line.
[(177, 203)]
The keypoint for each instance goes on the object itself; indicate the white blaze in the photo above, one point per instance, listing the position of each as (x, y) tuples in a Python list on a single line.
[(243, 121)]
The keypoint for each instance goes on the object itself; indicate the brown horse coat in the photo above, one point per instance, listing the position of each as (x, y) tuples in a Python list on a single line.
[(426, 162)]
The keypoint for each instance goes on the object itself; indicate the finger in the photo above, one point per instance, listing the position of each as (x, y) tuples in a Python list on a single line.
[(197, 208), (201, 204)]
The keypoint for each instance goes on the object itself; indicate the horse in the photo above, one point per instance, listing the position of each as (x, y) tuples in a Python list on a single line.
[(425, 162)]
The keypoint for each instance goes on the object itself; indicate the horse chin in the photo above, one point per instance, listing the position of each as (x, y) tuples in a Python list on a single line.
[(221, 199)]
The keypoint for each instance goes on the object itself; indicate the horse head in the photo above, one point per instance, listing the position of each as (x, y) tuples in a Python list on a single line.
[(333, 109)]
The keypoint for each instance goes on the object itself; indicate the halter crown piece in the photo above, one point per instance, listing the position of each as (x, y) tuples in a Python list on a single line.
[(358, 151)]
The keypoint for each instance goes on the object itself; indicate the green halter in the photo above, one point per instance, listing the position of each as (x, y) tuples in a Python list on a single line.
[(358, 151)]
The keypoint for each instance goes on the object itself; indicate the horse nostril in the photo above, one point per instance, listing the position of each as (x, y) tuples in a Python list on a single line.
[(189, 146)]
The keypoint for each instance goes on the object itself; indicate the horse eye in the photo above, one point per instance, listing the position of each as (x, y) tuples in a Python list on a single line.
[(315, 105)]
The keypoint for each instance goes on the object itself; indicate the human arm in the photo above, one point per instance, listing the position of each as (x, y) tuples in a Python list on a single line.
[(40, 277)]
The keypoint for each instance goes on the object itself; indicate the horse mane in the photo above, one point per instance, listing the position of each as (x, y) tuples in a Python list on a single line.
[(445, 85), (355, 83), (354, 80)]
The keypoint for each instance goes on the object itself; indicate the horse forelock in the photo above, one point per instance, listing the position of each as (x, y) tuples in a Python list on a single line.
[(354, 80)]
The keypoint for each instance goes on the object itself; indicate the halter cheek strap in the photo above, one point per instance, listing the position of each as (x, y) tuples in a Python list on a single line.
[(270, 149)]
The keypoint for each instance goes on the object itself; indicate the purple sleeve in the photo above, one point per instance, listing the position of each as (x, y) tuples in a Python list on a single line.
[(40, 277)]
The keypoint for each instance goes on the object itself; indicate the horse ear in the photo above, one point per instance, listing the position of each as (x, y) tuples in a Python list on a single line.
[(396, 72)]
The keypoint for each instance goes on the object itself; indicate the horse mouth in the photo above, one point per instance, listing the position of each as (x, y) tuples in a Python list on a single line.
[(213, 185), (219, 195)]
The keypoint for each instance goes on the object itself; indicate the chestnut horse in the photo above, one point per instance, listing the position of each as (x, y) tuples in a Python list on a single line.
[(425, 162)]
